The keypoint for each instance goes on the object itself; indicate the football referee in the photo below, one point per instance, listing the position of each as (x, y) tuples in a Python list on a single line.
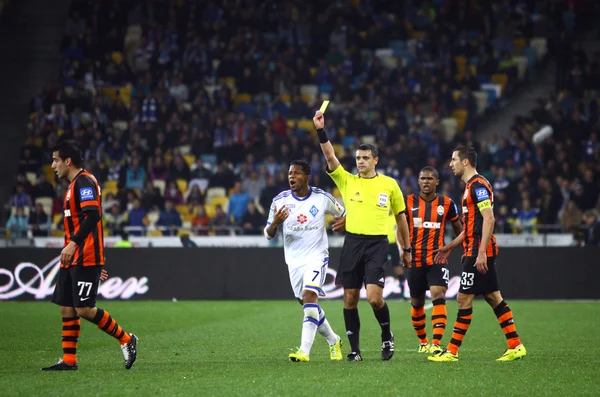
[(368, 198)]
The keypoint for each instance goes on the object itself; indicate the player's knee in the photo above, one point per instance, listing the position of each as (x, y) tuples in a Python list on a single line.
[(438, 294), (311, 312), (417, 302), (85, 312), (464, 301), (351, 299), (376, 301), (309, 296), (493, 299)]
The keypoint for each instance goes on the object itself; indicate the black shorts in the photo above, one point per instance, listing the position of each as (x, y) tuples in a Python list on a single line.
[(362, 261), (77, 286), (473, 282), (394, 255), (421, 278)]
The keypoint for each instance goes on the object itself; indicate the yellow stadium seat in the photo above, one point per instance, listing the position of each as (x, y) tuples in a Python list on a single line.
[(307, 125), (110, 187), (117, 57), (285, 98), (501, 79), (338, 148), (31, 177), (189, 159), (39, 142), (210, 210), (520, 44), (182, 185), (111, 93), (461, 64), (313, 71), (230, 82), (160, 185), (456, 95), (290, 123), (460, 115), (156, 233), (125, 94), (242, 98), (473, 69), (56, 218), (168, 158), (187, 213), (222, 201)]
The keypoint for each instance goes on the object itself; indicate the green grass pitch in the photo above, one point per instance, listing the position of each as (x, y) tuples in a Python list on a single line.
[(240, 349)]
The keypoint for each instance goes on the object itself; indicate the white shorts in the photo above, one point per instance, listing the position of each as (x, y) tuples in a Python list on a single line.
[(310, 277)]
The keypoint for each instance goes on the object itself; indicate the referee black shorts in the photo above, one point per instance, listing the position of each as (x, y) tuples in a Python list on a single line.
[(362, 261)]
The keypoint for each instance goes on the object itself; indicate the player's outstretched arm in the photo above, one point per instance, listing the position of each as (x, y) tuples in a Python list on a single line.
[(326, 146)]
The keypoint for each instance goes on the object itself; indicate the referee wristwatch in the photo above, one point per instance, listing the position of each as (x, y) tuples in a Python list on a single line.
[(409, 250)]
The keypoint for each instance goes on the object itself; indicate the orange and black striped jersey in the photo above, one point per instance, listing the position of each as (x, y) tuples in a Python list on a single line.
[(426, 224), (478, 196), (84, 195)]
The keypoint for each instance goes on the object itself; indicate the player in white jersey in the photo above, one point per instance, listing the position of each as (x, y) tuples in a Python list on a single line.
[(299, 214)]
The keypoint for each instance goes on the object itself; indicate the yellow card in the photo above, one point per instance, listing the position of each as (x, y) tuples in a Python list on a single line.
[(324, 106)]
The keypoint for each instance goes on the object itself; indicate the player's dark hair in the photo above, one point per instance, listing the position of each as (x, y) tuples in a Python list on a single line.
[(304, 165), (69, 148), (369, 147), (467, 152), (435, 172)]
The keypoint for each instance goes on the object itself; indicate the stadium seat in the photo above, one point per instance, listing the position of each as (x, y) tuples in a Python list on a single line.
[(182, 185), (184, 149), (451, 126), (210, 210), (111, 93), (285, 98), (117, 57), (202, 183), (26, 210), (307, 125), (339, 150), (521, 62), (190, 159), (168, 158), (230, 82), (461, 64), (110, 187), (160, 185), (482, 101), (242, 98), (210, 159), (215, 192), (370, 139), (501, 79), (541, 45), (456, 95), (461, 116), (31, 177), (309, 89), (46, 203), (222, 201), (56, 218), (519, 44), (313, 71), (125, 94)]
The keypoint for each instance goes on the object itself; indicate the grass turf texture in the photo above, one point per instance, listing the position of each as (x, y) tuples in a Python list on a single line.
[(241, 348)]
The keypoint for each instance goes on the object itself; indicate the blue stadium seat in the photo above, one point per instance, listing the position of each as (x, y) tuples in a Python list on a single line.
[(491, 96)]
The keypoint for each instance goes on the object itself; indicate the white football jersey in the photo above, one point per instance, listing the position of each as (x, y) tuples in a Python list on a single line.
[(304, 234)]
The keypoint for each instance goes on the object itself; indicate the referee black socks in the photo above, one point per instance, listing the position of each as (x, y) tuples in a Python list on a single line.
[(383, 317), (352, 321)]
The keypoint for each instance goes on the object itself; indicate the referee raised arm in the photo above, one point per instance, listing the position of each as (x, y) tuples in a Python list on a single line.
[(368, 198)]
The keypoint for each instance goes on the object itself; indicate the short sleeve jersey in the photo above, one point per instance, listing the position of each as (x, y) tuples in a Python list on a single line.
[(83, 195), (368, 201), (477, 197)]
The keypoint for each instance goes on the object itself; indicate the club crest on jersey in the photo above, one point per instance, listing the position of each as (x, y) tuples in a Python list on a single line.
[(86, 193), (383, 199), (440, 210), (313, 211), (302, 219)]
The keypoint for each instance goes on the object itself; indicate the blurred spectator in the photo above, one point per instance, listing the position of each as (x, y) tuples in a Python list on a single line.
[(17, 223), (21, 198), (238, 202), (124, 241), (253, 221), (588, 233), (200, 222), (169, 219), (220, 222), (173, 194), (525, 219), (138, 219), (114, 220), (43, 188), (195, 196), (571, 217), (254, 185), (39, 222), (135, 175)]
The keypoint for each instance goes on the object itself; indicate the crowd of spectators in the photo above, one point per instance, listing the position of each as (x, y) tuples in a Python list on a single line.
[(189, 112)]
